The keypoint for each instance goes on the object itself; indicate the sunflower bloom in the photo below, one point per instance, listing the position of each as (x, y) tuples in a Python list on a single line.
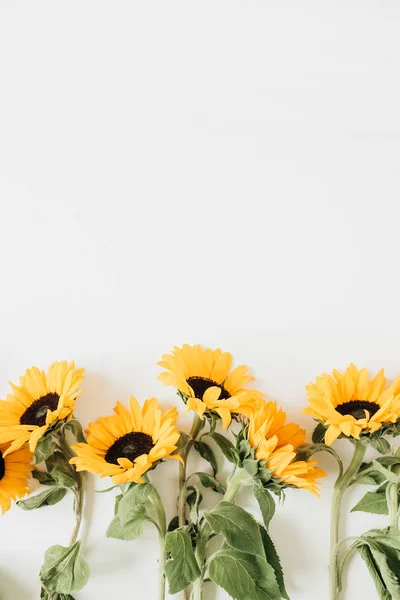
[(15, 468), (126, 445), (351, 404), (276, 442), (38, 403), (205, 379)]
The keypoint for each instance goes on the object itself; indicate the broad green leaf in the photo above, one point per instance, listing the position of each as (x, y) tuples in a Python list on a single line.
[(76, 428), (130, 531), (318, 436), (388, 461), (181, 567), (45, 447), (211, 482), (243, 576), (116, 503), (227, 448), (266, 504), (173, 524), (43, 477), (239, 527), (133, 503), (380, 444), (207, 453), (273, 559), (372, 478), (390, 578), (60, 470), (372, 502), (46, 498), (194, 499), (64, 570), (366, 555)]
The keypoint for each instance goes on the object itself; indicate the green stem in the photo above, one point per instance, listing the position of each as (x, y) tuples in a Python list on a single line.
[(194, 432), (341, 485), (78, 489), (161, 568), (235, 481), (161, 526)]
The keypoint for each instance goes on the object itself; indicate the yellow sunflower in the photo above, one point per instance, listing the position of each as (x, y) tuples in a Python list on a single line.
[(126, 445), (15, 468), (205, 379), (276, 443), (352, 404), (38, 403)]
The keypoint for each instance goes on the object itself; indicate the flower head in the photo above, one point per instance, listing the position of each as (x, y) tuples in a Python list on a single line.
[(275, 443), (351, 404), (38, 403), (205, 379), (15, 468), (125, 445)]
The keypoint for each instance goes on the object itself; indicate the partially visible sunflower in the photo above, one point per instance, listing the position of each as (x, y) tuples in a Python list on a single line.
[(204, 378), (38, 403), (15, 468), (351, 404), (275, 444), (126, 445)]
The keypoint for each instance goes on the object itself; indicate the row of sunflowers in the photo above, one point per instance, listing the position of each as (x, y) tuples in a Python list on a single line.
[(41, 438)]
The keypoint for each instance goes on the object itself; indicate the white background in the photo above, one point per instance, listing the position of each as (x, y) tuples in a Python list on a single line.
[(216, 172)]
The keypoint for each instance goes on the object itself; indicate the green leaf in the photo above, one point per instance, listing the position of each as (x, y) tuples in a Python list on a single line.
[(371, 478), (366, 555), (45, 447), (273, 559), (116, 503), (244, 576), (64, 570), (194, 499), (60, 470), (266, 504), (46, 498), (132, 505), (211, 482), (227, 448), (76, 428), (388, 576), (239, 527), (181, 567), (206, 452), (318, 436), (173, 524), (130, 531), (380, 444), (43, 477), (374, 503)]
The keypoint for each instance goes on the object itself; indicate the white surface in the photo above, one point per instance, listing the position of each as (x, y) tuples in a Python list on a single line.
[(215, 172)]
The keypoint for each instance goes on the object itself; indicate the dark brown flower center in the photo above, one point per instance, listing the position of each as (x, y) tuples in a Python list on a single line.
[(129, 446), (357, 408), (2, 466), (200, 384), (36, 413)]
